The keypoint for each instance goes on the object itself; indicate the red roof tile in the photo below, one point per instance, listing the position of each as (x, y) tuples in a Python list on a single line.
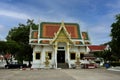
[(96, 48), (85, 35), (34, 34), (48, 30), (45, 41)]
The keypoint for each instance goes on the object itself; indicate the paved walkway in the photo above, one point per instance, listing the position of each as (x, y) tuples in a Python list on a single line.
[(93, 74), (60, 74)]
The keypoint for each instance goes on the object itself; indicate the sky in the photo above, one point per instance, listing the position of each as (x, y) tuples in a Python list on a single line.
[(93, 16)]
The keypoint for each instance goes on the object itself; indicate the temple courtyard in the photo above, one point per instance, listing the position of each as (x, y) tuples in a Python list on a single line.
[(59, 74)]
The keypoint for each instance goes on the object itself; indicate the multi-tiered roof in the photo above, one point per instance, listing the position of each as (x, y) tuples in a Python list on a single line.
[(47, 32)]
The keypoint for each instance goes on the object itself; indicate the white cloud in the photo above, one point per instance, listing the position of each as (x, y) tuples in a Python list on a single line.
[(57, 18), (14, 14), (1, 26), (100, 29)]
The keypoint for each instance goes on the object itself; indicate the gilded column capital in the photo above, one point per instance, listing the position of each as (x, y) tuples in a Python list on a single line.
[(54, 46)]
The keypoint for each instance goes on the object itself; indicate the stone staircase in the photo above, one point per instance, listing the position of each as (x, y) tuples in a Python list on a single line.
[(63, 65)]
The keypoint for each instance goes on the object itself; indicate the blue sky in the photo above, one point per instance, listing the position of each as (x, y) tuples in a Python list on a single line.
[(94, 16)]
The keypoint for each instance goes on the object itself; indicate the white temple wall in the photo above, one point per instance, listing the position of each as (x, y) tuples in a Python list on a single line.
[(83, 49), (48, 49), (44, 49), (76, 51)]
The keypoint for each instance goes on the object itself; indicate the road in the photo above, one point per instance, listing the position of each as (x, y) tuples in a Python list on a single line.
[(59, 74)]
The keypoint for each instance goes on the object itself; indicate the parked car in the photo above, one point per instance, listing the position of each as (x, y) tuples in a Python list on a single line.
[(2, 64), (15, 65)]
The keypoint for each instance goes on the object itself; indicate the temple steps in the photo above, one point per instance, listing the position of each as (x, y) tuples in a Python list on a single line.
[(63, 65)]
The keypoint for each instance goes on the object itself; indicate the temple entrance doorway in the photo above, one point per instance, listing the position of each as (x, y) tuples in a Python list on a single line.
[(61, 56)]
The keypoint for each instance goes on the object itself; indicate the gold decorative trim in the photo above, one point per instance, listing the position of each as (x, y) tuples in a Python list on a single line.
[(62, 35), (48, 55)]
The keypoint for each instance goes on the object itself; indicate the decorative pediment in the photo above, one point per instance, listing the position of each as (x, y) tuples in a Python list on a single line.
[(62, 35)]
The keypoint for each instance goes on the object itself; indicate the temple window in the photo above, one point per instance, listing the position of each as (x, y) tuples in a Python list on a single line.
[(37, 56), (81, 55), (72, 55)]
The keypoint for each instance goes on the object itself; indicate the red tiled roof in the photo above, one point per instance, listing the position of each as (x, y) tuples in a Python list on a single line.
[(96, 48), (85, 35), (34, 34), (48, 30), (45, 41)]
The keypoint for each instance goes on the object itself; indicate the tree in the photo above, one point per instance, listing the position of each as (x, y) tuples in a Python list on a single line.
[(106, 55), (20, 35), (2, 47), (115, 34), (10, 47), (3, 50)]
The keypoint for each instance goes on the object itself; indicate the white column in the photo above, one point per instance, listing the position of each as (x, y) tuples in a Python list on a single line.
[(38, 31), (33, 56), (68, 53), (55, 48), (30, 34), (42, 55)]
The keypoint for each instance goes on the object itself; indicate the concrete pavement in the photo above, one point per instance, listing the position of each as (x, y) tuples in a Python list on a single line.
[(59, 74)]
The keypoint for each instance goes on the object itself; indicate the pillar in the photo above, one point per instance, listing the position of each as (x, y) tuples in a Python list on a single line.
[(68, 53), (55, 60)]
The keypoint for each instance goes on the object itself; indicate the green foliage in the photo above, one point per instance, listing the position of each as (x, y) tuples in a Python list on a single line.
[(8, 47), (3, 47), (115, 64), (106, 55), (12, 47), (20, 35), (115, 34)]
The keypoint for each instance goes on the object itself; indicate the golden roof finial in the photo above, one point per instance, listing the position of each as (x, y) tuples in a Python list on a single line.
[(62, 24)]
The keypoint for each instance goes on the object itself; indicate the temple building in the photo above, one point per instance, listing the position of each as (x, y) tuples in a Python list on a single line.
[(58, 45)]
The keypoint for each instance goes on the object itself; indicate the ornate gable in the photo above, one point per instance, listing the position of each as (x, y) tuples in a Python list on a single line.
[(62, 35)]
